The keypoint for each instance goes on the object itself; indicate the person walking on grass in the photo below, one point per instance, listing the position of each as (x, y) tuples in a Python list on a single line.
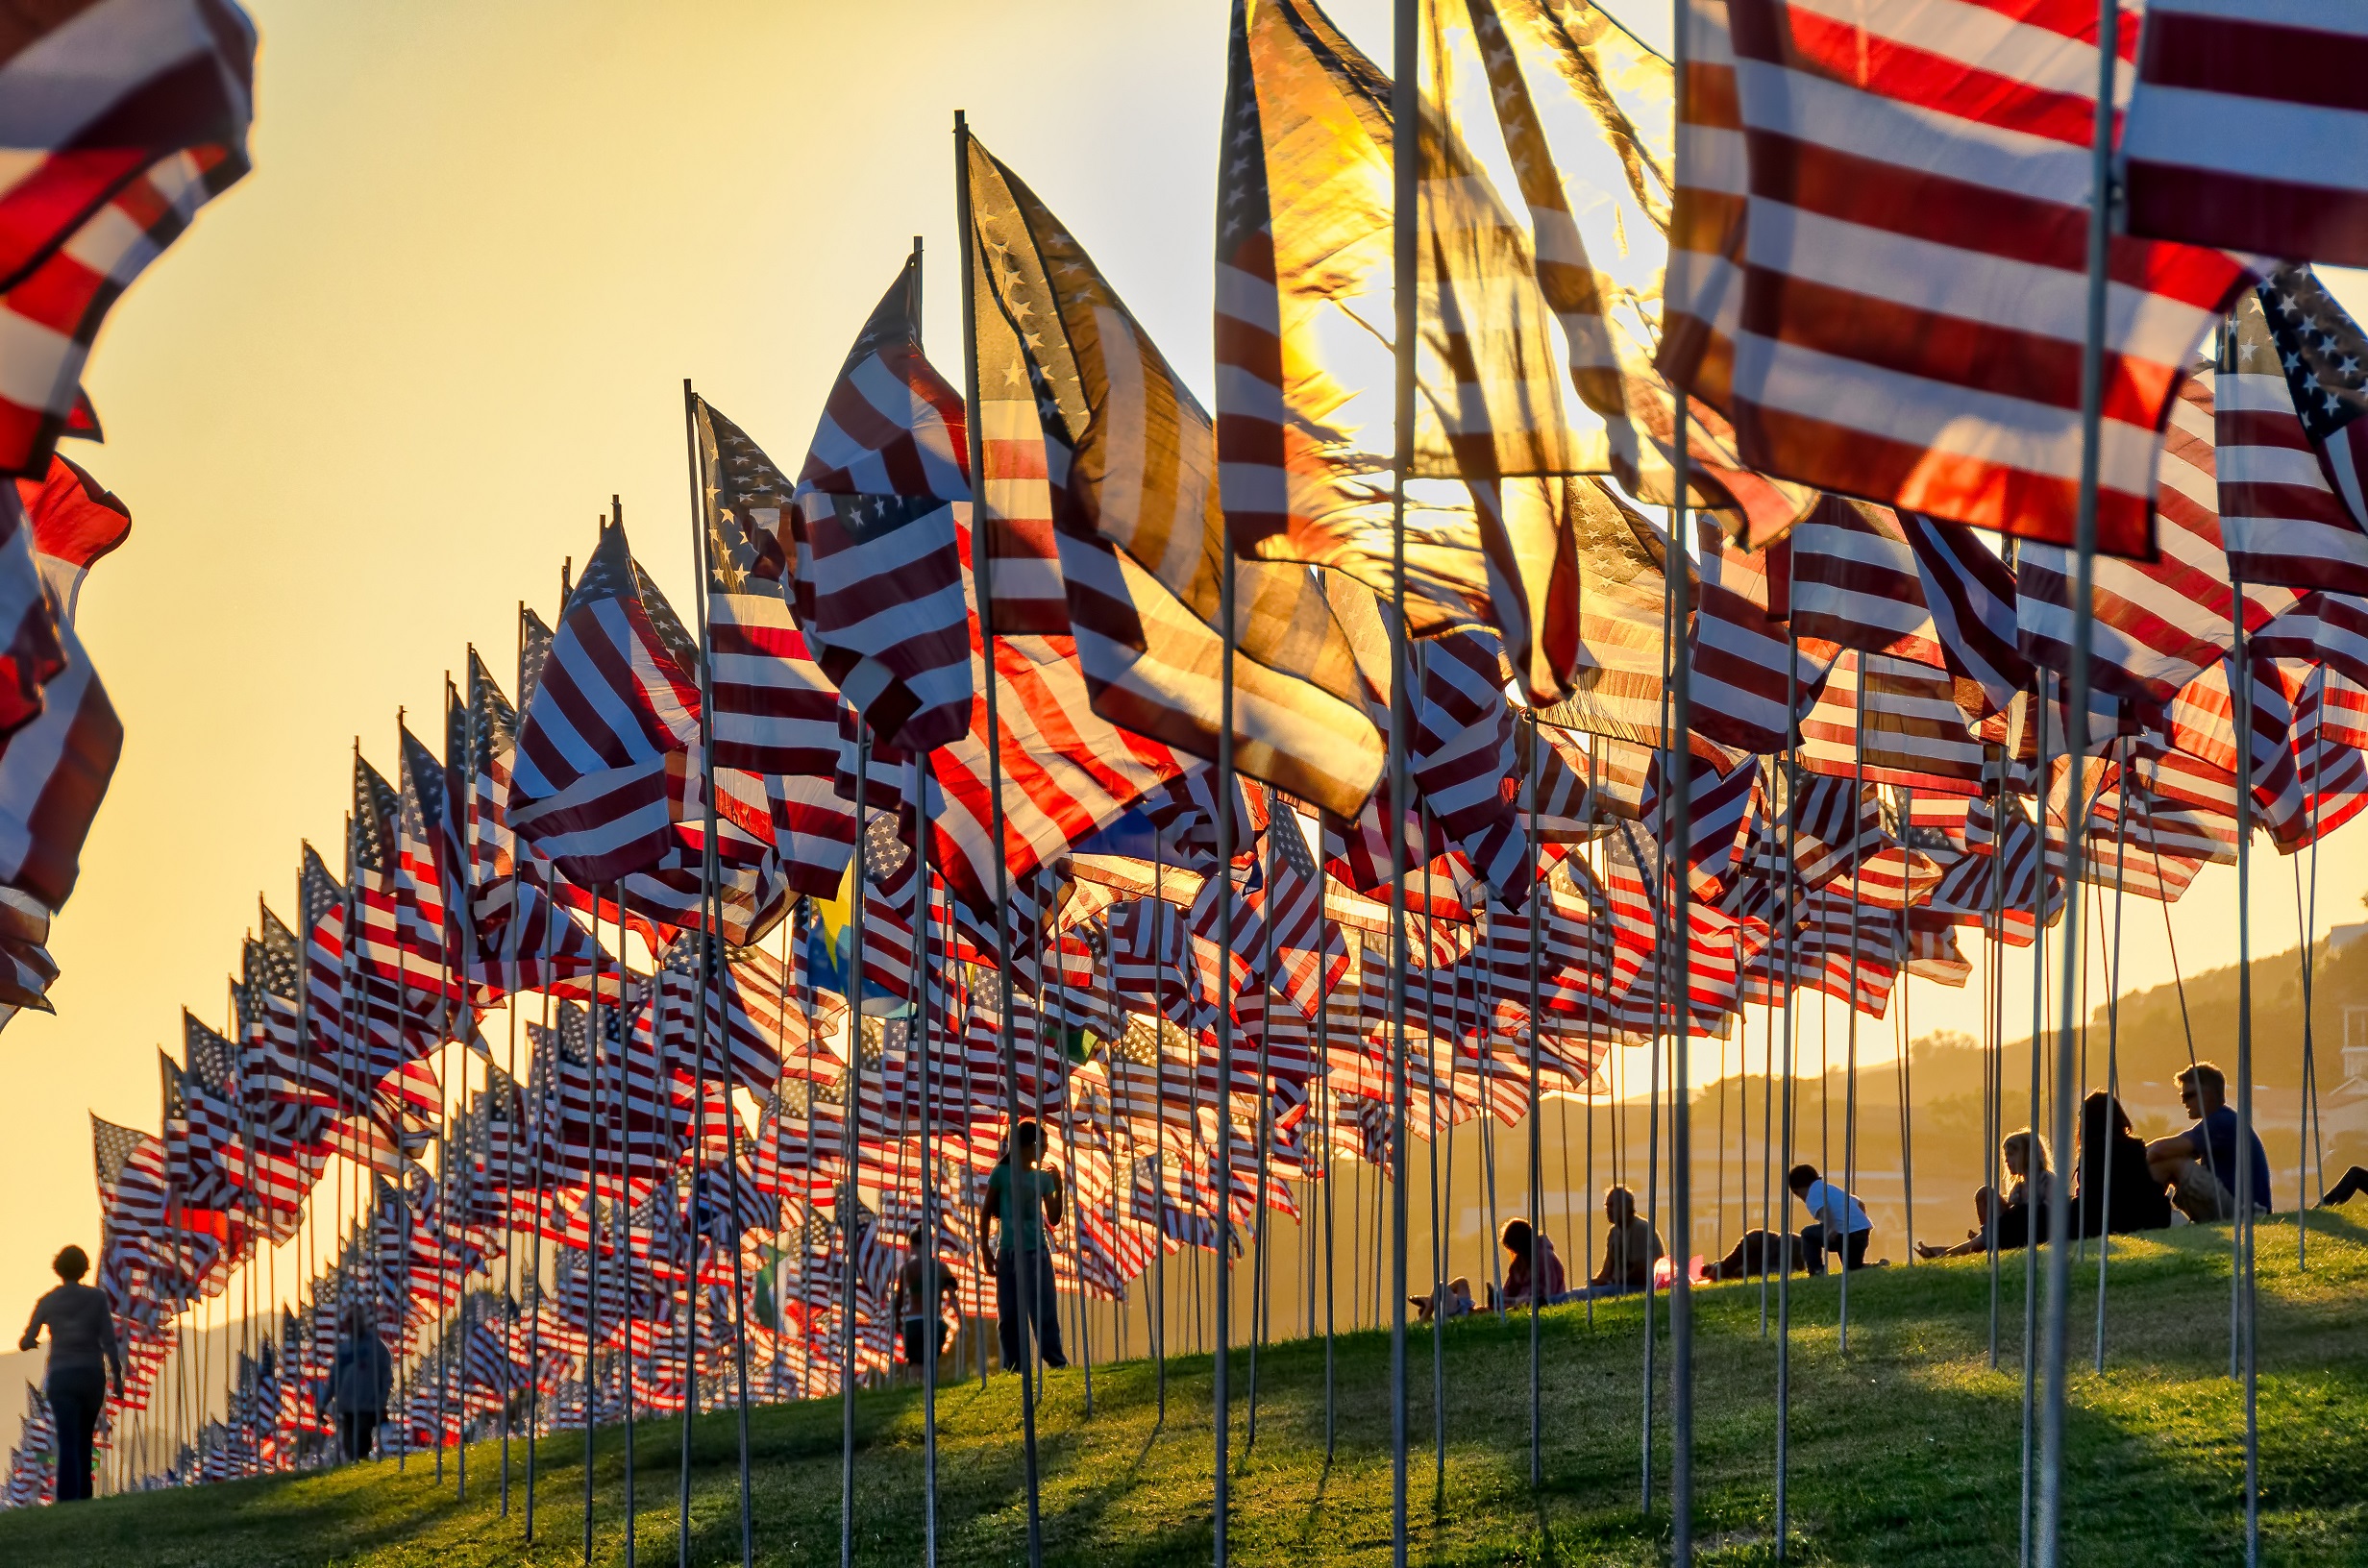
[(1022, 1201), (359, 1384), (912, 1299), (84, 1359), (1840, 1224)]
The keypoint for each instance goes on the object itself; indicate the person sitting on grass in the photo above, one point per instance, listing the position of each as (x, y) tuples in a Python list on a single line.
[(1631, 1247), (1452, 1299), (2355, 1181), (2020, 1215), (1841, 1224), (2113, 1165), (1758, 1252), (1520, 1241), (2199, 1164), (912, 1303)]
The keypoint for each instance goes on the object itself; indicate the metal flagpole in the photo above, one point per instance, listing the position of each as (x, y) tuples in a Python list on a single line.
[(2084, 609), (1680, 781), (1539, 904), (1158, 1330), (1850, 1035), (2038, 1015), (1405, 152), (922, 982), (982, 560), (851, 1202), (1994, 1017), (1789, 931), (1262, 1259), (592, 1207), (1222, 1396), (2113, 1049), (2240, 684)]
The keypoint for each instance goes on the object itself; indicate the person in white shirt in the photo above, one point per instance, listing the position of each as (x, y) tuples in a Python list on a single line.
[(1838, 1221)]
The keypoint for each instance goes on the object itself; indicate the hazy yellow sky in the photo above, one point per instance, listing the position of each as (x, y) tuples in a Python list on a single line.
[(383, 387)]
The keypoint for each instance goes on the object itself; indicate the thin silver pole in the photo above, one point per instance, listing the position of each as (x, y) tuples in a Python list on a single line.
[(983, 557), (1405, 151), (2240, 684), (2076, 750), (1538, 907), (851, 1203)]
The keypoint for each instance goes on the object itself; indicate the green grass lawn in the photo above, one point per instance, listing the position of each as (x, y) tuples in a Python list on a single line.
[(1908, 1450)]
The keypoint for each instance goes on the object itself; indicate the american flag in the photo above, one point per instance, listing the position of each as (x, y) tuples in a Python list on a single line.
[(615, 710), (35, 651), (75, 521), (1906, 325), (2282, 522), (2325, 358), (1970, 592), (131, 1177), (1855, 582), (1749, 679), (127, 116), (879, 506), (1461, 757), (493, 744), (2245, 126), (1138, 530)]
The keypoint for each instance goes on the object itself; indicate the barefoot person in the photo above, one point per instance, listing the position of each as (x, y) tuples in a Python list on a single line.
[(84, 1358), (2012, 1216)]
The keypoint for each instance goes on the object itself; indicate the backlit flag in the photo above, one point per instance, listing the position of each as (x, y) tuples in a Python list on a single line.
[(2248, 127), (1913, 254), (1305, 247), (615, 707), (75, 521), (879, 569), (1139, 532), (2281, 520), (121, 119), (2325, 358)]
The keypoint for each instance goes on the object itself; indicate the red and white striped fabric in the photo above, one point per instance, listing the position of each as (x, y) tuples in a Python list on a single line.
[(1914, 732), (1970, 592), (1914, 248), (75, 521), (2247, 124), (2331, 628), (56, 763), (2158, 623), (879, 571), (615, 710), (1461, 758), (1855, 582), (2282, 522), (124, 117), (1747, 680)]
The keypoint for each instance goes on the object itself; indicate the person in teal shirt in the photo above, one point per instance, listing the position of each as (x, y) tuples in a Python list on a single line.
[(1022, 1201)]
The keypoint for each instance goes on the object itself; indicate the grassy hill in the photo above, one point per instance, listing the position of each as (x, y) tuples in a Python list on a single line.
[(1906, 1451)]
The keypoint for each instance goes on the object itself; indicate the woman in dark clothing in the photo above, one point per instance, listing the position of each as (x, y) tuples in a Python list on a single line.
[(2140, 1201), (359, 1384), (84, 1358)]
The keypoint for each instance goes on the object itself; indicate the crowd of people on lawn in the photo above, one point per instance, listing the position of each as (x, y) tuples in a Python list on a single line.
[(2123, 1184)]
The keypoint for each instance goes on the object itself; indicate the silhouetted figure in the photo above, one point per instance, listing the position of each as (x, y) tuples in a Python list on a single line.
[(2138, 1198), (84, 1359), (2200, 1163), (360, 1383), (2021, 1214), (912, 1303), (1023, 1200), (1841, 1224)]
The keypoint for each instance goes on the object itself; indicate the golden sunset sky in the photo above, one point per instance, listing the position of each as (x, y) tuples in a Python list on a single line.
[(387, 383)]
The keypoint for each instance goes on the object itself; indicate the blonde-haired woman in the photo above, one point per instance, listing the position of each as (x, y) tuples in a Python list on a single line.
[(2019, 1217)]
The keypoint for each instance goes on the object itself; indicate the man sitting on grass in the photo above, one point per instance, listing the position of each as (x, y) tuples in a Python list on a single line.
[(2201, 1163)]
